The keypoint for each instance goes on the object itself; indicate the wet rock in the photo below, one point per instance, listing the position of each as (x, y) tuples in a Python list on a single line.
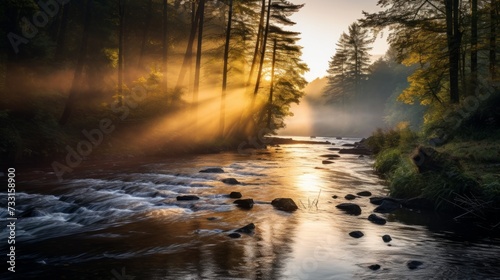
[(418, 203), (334, 149), (356, 234), (387, 238), (414, 264), (247, 229), (234, 235), (212, 218), (376, 219), (374, 267), (212, 170), (330, 156), (187, 197), (284, 204), (348, 145), (387, 206), (361, 156), (235, 195), (244, 203), (327, 162), (230, 181), (350, 208), (364, 193), (335, 196), (350, 197), (338, 138)]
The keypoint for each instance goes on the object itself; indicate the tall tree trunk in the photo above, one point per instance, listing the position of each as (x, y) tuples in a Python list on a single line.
[(473, 42), (196, 86), (271, 90), (121, 17), (145, 34), (61, 36), (262, 54), (257, 41), (189, 49), (224, 73), (76, 84), (453, 38), (164, 47), (493, 38)]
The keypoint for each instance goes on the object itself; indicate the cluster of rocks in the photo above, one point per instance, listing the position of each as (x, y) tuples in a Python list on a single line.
[(385, 205)]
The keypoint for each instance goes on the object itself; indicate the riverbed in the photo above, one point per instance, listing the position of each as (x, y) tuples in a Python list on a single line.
[(119, 219)]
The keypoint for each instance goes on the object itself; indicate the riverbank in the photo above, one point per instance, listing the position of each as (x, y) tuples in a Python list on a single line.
[(459, 177)]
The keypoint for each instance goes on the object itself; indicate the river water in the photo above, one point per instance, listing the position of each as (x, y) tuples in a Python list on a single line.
[(120, 220)]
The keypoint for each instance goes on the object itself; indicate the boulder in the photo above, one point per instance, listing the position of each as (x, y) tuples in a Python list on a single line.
[(374, 267), (212, 170), (284, 204), (356, 234), (414, 264), (387, 238), (387, 206), (244, 203), (235, 195), (350, 208), (376, 219), (327, 162), (418, 203), (230, 181), (350, 196), (234, 235), (247, 229), (364, 193), (187, 197)]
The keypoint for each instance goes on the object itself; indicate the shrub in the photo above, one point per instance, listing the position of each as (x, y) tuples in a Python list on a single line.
[(387, 160)]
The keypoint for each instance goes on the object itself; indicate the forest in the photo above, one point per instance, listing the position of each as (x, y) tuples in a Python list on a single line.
[(161, 76)]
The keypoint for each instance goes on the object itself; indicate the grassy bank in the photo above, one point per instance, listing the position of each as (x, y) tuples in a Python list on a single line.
[(458, 174)]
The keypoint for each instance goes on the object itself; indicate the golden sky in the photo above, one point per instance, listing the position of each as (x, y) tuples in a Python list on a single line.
[(321, 23)]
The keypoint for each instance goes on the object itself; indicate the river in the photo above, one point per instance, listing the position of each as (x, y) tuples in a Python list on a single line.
[(120, 219)]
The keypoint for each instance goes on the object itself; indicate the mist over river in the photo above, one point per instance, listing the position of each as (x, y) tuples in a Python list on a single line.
[(120, 219)]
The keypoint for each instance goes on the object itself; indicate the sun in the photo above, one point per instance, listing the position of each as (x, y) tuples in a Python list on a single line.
[(267, 77)]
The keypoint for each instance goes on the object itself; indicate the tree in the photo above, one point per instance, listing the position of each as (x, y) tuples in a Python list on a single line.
[(75, 86), (349, 66), (224, 73)]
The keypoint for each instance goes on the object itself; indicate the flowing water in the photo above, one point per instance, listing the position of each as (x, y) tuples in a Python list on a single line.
[(120, 220)]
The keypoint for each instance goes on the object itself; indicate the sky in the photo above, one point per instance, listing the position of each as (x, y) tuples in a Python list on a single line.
[(321, 23)]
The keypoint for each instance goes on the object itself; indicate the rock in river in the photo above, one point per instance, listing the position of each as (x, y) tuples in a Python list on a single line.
[(247, 229), (187, 197), (364, 193), (414, 264), (356, 234), (350, 208), (327, 162), (284, 204), (350, 197), (376, 219), (235, 195), (387, 238), (212, 170), (244, 203), (374, 267), (230, 181)]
